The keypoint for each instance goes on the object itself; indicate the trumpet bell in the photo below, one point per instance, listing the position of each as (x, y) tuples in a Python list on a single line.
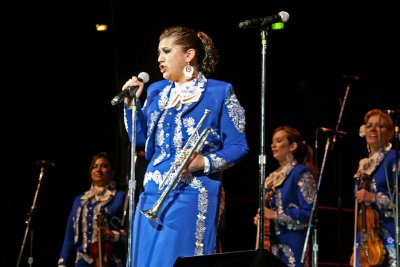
[(150, 214)]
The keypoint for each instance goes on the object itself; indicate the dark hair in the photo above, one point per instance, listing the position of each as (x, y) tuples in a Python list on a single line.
[(207, 56), (304, 152), (386, 119), (109, 157)]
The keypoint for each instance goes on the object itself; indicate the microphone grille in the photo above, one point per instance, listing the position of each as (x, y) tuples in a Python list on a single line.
[(284, 16), (144, 77)]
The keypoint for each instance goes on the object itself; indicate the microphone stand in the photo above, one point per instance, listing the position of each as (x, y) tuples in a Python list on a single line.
[(311, 219), (132, 180), (28, 230), (262, 157), (310, 222)]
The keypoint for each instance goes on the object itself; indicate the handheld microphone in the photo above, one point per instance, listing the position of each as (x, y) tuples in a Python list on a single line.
[(143, 77), (331, 131), (282, 16)]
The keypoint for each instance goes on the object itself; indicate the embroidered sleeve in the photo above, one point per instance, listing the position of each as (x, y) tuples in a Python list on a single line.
[(294, 211), (217, 164), (228, 144), (307, 187), (289, 222), (236, 112), (382, 201)]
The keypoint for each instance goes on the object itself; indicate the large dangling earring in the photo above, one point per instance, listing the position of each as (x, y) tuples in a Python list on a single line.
[(188, 71), (289, 157), (388, 146), (369, 150)]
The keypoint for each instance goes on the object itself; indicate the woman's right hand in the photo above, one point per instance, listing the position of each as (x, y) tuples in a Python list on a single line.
[(132, 82), (256, 217), (352, 259), (364, 196)]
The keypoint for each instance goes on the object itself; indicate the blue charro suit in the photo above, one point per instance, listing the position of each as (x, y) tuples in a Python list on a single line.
[(189, 214)]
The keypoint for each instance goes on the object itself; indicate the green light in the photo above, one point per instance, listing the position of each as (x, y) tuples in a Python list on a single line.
[(277, 26)]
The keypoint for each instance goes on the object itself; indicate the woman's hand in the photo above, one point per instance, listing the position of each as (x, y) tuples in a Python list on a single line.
[(270, 214), (352, 259), (256, 217), (133, 82), (195, 163), (364, 196)]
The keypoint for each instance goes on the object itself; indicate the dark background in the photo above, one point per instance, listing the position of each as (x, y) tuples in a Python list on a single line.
[(59, 76)]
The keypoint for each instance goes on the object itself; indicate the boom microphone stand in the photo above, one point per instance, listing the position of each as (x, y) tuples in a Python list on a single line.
[(331, 139), (28, 230)]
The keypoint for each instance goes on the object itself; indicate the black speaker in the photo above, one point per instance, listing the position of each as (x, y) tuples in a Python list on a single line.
[(250, 258)]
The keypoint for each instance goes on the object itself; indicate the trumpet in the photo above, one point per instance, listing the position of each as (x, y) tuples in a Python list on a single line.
[(152, 213), (180, 157)]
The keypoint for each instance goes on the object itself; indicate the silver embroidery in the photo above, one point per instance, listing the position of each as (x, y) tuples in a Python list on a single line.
[(145, 104), (160, 140), (389, 247), (277, 177), (187, 179), (287, 251), (178, 136), (126, 121), (307, 187), (160, 131), (236, 112), (383, 203), (368, 165), (200, 223), (153, 176), (153, 117), (160, 157), (283, 218), (218, 164), (162, 102), (190, 125)]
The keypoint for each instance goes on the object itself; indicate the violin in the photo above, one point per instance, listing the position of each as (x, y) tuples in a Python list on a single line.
[(371, 248), (267, 225), (272, 181), (101, 250)]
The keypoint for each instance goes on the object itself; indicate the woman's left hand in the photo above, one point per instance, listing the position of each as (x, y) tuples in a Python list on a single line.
[(364, 196), (270, 214), (195, 163)]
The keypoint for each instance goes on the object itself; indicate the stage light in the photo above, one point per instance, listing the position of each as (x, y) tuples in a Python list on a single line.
[(101, 27)]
